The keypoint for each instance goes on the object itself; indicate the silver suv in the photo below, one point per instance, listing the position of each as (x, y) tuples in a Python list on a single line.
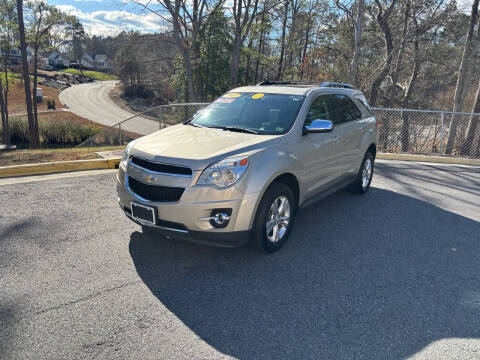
[(239, 170)]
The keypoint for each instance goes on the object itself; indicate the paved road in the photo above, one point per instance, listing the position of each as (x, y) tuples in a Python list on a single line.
[(92, 101), (390, 275)]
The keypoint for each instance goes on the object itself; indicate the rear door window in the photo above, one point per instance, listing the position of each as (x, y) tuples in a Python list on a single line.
[(345, 109)]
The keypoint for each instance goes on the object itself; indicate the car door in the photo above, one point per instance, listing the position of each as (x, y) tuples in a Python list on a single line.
[(317, 149), (347, 134)]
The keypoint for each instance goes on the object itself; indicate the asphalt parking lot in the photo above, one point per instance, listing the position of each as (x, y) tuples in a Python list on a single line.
[(393, 274)]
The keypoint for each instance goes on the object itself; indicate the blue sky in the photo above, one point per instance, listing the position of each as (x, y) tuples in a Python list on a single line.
[(109, 17)]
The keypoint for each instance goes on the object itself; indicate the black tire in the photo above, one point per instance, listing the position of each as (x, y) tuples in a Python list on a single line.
[(260, 239), (358, 185)]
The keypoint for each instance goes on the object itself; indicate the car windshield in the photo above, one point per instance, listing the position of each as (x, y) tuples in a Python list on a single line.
[(257, 113)]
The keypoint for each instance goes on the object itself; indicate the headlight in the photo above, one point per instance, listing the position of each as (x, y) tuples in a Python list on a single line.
[(224, 173), (123, 163)]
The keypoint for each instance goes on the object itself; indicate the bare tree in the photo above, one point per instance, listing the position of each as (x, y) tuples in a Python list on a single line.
[(358, 27), (186, 18), (45, 17), (282, 44), (244, 12), (464, 74), (34, 135), (401, 52), (382, 19)]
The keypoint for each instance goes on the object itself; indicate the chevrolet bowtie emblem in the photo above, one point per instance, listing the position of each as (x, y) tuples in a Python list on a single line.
[(149, 178)]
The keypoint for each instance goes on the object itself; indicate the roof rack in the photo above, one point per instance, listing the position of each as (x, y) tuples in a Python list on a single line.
[(336, 85), (306, 83), (287, 82)]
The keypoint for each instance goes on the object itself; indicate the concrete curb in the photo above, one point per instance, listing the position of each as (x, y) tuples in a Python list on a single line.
[(96, 164), (58, 166), (425, 158)]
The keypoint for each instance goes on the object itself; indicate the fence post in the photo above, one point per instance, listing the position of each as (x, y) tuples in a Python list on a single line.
[(160, 120), (442, 116), (120, 134)]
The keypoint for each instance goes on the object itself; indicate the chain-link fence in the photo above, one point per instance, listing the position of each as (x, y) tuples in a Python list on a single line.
[(424, 132), (428, 132)]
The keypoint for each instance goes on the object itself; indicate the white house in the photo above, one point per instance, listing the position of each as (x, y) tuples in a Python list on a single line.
[(15, 54), (99, 61), (56, 58), (102, 61)]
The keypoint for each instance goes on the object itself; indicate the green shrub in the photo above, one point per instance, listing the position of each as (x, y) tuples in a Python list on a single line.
[(62, 132), (66, 132), (19, 132)]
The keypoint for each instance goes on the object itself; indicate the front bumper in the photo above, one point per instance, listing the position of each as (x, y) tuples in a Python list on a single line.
[(185, 219)]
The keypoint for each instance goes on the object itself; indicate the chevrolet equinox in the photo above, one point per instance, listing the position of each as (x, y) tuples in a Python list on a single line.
[(237, 172)]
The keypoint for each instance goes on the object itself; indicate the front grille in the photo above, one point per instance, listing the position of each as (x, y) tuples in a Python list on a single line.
[(161, 168), (154, 192)]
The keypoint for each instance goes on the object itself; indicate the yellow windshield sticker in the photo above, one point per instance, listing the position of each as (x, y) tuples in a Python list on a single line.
[(257, 96), (232, 95)]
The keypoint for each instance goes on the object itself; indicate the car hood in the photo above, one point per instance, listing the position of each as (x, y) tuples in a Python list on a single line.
[(197, 147)]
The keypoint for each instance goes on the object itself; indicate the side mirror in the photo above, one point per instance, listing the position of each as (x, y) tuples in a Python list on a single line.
[(319, 126)]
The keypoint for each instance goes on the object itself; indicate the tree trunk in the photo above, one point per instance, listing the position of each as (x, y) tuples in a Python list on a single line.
[(463, 76), (305, 45), (388, 60), (401, 51), (187, 65), (260, 45), (408, 93), (34, 89), (249, 62), (4, 106), (382, 19), (282, 47), (358, 43), (5, 130), (235, 60), (34, 136)]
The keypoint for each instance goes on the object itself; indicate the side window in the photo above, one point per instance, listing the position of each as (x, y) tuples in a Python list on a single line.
[(364, 102), (321, 108), (345, 109)]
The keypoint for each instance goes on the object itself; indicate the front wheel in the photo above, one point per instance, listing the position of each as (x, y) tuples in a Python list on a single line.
[(274, 219), (364, 176)]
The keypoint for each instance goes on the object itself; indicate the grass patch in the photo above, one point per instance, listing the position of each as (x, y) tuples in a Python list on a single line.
[(97, 75), (11, 78), (18, 157)]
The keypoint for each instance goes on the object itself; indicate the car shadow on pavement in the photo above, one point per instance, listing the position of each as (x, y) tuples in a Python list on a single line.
[(375, 276)]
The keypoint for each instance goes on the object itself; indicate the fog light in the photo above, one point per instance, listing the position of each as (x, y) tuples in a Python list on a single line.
[(219, 218)]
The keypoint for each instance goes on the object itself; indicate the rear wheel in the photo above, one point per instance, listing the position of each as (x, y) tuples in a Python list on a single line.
[(274, 219), (364, 176)]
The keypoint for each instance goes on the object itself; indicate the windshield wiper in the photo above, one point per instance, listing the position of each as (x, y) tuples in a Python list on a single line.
[(192, 124), (239, 129)]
